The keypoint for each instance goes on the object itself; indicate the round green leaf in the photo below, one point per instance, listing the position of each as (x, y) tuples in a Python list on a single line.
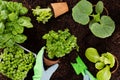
[(92, 55), (81, 12), (99, 65), (99, 7), (104, 29), (104, 74)]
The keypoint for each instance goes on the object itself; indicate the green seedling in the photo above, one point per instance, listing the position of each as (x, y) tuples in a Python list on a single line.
[(42, 14), (101, 26), (59, 44), (80, 67), (103, 63), (15, 63)]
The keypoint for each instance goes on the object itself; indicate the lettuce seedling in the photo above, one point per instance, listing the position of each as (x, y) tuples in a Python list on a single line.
[(103, 63), (101, 26), (60, 43), (15, 63), (42, 14)]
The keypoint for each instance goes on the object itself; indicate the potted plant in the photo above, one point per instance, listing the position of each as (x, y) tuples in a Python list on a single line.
[(55, 9), (103, 63), (100, 25), (59, 44)]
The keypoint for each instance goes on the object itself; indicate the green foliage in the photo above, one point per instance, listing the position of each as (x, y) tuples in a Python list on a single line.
[(42, 14), (103, 29), (92, 55), (12, 23), (101, 26), (81, 12), (104, 74), (15, 63), (60, 43), (102, 63)]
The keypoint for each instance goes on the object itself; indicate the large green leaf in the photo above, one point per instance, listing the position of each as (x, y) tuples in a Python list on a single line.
[(103, 29), (25, 21), (92, 55), (99, 7), (20, 38), (81, 12), (104, 74)]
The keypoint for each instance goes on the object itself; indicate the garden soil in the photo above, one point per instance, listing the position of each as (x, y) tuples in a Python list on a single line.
[(84, 36)]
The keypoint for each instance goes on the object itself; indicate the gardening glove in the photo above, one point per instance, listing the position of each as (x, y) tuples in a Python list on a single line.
[(48, 73), (88, 76), (39, 72)]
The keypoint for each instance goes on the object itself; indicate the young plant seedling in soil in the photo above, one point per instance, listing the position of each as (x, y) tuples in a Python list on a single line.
[(103, 63), (15, 63), (44, 14), (101, 26), (60, 43), (12, 23), (80, 67)]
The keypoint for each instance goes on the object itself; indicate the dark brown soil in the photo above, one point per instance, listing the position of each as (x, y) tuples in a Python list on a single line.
[(85, 37)]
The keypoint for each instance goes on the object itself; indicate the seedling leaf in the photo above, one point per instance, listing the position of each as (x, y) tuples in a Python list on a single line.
[(111, 58), (81, 12), (103, 29), (92, 55), (104, 74), (99, 65), (99, 7)]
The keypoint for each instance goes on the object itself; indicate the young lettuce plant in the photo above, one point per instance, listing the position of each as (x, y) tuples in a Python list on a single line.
[(12, 23), (15, 62), (101, 26), (44, 14), (103, 63), (60, 43)]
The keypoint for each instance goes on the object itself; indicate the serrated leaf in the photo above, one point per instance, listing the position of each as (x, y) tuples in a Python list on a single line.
[(110, 57), (99, 7), (104, 29), (92, 55), (81, 12), (104, 74)]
